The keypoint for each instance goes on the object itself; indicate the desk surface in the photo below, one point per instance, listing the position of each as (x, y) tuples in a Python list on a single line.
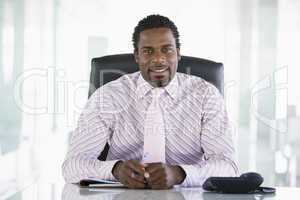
[(50, 191), (72, 192)]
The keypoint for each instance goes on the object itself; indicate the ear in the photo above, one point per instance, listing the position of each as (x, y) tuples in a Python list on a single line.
[(178, 54), (136, 56)]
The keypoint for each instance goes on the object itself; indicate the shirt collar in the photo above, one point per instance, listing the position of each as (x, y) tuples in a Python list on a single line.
[(143, 87)]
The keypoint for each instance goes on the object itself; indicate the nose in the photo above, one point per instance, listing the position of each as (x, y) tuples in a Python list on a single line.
[(158, 58)]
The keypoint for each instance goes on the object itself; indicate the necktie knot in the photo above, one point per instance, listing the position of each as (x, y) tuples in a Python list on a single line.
[(156, 93)]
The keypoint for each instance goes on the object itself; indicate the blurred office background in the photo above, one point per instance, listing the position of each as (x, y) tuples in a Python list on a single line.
[(45, 51)]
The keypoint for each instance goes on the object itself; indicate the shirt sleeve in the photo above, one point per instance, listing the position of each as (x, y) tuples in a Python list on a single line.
[(88, 140), (216, 142)]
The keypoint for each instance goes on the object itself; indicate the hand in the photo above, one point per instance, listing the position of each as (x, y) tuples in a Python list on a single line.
[(163, 176), (130, 173)]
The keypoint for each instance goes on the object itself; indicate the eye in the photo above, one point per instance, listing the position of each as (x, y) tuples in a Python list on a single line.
[(168, 50), (147, 51)]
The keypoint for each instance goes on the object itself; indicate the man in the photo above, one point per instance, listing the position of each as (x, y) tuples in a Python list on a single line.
[(197, 136)]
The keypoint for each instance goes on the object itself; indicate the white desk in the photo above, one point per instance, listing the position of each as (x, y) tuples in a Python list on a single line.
[(72, 192), (52, 191)]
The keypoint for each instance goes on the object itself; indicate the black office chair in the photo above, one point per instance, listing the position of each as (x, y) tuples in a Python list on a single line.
[(109, 68)]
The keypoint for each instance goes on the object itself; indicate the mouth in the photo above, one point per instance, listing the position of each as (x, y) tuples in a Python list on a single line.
[(159, 70), (159, 74)]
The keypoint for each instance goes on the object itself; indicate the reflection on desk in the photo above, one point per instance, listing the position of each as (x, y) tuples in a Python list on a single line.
[(73, 192)]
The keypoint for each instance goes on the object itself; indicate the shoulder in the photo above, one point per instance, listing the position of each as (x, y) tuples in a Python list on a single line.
[(116, 94), (124, 85), (196, 85)]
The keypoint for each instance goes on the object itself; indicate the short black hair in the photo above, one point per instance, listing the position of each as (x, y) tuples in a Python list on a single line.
[(154, 21)]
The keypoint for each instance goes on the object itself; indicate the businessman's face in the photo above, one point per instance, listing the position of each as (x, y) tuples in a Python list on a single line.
[(157, 56)]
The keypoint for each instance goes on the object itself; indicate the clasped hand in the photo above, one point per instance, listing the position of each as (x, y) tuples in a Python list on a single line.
[(135, 175)]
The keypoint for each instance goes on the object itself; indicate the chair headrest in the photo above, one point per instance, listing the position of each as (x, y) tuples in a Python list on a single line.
[(108, 68)]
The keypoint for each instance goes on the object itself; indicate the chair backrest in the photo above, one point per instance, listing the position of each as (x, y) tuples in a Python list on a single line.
[(109, 68)]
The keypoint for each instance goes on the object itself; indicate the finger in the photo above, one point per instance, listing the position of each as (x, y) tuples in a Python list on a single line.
[(133, 183), (150, 165), (132, 175), (138, 177), (153, 167), (155, 177), (136, 167), (160, 184), (126, 175)]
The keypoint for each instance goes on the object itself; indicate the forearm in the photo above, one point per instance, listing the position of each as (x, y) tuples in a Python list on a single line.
[(81, 167), (196, 174), (82, 158), (216, 143), (88, 140)]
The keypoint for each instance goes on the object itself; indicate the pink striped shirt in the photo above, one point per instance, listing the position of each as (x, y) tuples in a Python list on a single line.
[(197, 128)]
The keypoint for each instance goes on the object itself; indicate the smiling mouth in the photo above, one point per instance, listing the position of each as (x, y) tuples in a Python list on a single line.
[(159, 70)]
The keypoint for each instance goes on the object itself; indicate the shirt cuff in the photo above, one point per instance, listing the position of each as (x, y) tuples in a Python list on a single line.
[(192, 178), (104, 169)]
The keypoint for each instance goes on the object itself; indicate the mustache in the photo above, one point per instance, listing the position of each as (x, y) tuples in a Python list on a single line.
[(158, 67)]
